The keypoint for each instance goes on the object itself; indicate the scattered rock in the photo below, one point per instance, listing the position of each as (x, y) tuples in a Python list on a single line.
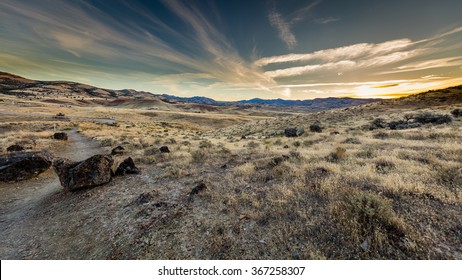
[(15, 148), (457, 112), (276, 161), (145, 198), (127, 167), (117, 150), (293, 132), (197, 189), (295, 255), (22, 166), (60, 136), (316, 127), (364, 245), (91, 172), (164, 149)]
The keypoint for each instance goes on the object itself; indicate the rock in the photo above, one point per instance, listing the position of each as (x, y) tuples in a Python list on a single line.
[(127, 167), (15, 148), (293, 132), (117, 150), (145, 198), (91, 172), (316, 127), (164, 149), (22, 166), (197, 189), (60, 136)]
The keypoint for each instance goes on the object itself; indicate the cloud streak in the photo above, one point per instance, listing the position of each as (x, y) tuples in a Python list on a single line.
[(277, 21)]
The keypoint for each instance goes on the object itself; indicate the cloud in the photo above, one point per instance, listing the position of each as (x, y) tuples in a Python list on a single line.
[(326, 20), (283, 25), (363, 56), (301, 14), (277, 21), (346, 52), (428, 64)]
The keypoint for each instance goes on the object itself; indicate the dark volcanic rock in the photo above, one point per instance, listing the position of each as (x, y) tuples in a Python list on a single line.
[(91, 172), (15, 148), (127, 167), (164, 149), (22, 166), (60, 136), (197, 189), (117, 150), (293, 132)]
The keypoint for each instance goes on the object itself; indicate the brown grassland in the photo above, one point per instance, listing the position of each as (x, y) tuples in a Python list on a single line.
[(351, 191)]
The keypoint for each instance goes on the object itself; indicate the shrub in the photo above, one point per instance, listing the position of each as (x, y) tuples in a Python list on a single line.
[(338, 154), (198, 155), (432, 118), (368, 219), (253, 145), (316, 127), (384, 166), (205, 144), (450, 177), (378, 123), (381, 135), (351, 140), (456, 113)]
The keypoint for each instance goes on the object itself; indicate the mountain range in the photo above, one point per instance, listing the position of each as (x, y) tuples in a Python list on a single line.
[(11, 84)]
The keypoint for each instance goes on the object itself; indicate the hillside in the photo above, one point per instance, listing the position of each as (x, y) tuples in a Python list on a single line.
[(63, 92), (443, 100)]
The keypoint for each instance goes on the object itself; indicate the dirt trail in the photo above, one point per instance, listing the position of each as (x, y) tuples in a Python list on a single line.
[(21, 203)]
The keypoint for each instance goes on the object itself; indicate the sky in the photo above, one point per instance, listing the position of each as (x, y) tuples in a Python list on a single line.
[(234, 50)]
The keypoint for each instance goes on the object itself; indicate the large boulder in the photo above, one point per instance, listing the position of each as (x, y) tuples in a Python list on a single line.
[(60, 136), (127, 167), (15, 148), (293, 132), (91, 172), (24, 165)]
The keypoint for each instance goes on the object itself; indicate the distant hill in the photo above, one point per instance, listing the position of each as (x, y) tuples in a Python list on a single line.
[(11, 84)]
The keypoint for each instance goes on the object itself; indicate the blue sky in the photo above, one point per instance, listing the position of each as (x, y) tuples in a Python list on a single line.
[(231, 50)]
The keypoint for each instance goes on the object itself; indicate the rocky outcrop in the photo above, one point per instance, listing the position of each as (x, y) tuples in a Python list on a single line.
[(22, 166), (127, 167), (293, 132), (60, 136), (197, 189), (164, 149), (91, 172), (117, 150), (15, 148)]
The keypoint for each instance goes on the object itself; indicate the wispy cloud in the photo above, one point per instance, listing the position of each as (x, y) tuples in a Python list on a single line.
[(341, 53), (326, 20), (283, 25), (428, 64), (277, 21)]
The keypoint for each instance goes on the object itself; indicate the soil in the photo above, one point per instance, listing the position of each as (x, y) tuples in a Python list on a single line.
[(23, 205)]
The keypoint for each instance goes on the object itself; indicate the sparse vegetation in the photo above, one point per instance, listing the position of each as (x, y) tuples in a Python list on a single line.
[(381, 181)]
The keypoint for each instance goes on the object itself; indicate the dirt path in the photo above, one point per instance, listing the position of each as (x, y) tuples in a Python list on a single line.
[(22, 202)]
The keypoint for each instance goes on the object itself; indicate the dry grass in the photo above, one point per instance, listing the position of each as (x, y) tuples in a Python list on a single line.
[(344, 193)]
